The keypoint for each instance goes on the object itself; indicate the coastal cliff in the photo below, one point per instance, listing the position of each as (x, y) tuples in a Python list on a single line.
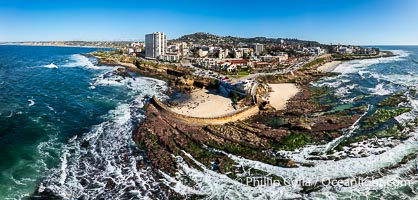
[(310, 117)]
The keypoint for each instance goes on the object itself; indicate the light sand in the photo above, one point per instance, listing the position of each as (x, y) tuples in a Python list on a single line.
[(281, 94), (205, 103), (329, 66)]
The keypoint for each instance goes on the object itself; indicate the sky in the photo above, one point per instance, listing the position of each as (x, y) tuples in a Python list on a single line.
[(358, 22)]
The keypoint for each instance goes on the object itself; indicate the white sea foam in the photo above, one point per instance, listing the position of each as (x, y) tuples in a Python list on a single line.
[(381, 89), (10, 115), (411, 115), (51, 108), (51, 66), (82, 61), (332, 82), (328, 169), (108, 78), (219, 186), (345, 90), (105, 155), (31, 102), (355, 66), (402, 79), (92, 87)]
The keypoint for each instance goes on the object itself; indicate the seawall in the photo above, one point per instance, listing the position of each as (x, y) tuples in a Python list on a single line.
[(239, 115)]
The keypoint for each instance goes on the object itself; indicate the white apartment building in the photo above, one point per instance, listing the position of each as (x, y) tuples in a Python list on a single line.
[(170, 57), (155, 44), (258, 48)]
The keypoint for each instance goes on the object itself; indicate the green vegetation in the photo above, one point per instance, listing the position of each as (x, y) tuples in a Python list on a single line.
[(353, 56), (241, 74), (413, 92), (313, 63), (237, 149), (295, 140), (214, 83), (234, 96), (275, 122), (393, 100), (224, 41), (108, 54), (382, 115), (394, 131)]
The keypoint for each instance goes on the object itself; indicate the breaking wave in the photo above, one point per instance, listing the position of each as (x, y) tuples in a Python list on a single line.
[(381, 89), (81, 61), (355, 66), (51, 66), (31, 102), (103, 162)]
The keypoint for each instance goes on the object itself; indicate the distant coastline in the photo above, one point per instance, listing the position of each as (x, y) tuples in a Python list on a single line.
[(81, 44), (50, 45)]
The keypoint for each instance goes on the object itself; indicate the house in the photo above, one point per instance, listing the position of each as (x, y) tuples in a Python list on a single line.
[(261, 65), (242, 62), (237, 53), (202, 53), (281, 57), (344, 50), (170, 57)]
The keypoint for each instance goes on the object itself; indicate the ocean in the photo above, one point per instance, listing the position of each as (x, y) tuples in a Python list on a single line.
[(51, 100), (66, 125)]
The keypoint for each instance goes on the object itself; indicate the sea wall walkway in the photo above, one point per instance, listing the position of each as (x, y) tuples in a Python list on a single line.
[(238, 115)]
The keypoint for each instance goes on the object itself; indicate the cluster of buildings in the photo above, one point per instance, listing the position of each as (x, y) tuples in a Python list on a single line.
[(242, 56), (354, 50), (234, 58), (135, 49), (227, 65)]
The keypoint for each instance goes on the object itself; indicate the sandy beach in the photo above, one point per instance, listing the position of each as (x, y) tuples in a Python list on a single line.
[(329, 66), (204, 103), (281, 94)]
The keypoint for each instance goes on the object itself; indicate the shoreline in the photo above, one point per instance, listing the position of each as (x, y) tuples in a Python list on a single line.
[(329, 66)]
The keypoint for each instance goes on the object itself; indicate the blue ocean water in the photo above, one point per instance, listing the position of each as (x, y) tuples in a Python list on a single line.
[(49, 96)]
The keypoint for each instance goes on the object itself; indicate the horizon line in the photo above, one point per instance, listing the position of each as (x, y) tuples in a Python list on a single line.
[(17, 42)]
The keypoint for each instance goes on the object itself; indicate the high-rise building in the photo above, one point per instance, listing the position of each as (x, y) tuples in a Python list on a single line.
[(258, 48), (155, 44)]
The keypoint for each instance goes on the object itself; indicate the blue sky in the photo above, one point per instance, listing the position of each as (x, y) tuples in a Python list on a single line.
[(364, 22)]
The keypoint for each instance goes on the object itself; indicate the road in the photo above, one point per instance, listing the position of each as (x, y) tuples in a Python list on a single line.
[(290, 69)]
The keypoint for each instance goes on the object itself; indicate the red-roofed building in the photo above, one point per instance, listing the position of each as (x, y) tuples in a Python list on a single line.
[(242, 62), (261, 64)]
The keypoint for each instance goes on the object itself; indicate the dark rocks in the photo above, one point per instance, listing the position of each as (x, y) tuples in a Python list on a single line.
[(265, 106), (110, 184), (122, 72), (47, 194), (302, 126)]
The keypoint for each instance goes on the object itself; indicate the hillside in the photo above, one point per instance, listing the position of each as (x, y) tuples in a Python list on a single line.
[(211, 39)]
